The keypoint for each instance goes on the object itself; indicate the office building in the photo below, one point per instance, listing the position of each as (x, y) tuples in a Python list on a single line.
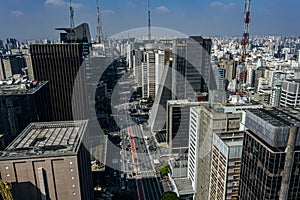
[(192, 73), (204, 121), (225, 165), (49, 160), (22, 102), (60, 64), (177, 124), (270, 158), (290, 93)]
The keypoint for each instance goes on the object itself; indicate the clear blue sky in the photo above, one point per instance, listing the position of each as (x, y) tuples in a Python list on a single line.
[(36, 19)]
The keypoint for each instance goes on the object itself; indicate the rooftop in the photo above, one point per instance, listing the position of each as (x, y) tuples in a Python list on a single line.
[(184, 186), (46, 139), (278, 117), (20, 86)]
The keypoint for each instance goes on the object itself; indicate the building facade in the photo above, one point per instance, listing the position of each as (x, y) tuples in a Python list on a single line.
[(290, 93), (49, 161), (225, 165), (22, 102), (270, 157)]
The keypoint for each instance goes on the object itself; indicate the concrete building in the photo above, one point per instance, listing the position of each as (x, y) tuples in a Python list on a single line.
[(49, 161), (150, 58), (270, 158), (290, 93), (177, 124), (144, 80), (225, 165), (22, 102), (11, 65), (204, 121)]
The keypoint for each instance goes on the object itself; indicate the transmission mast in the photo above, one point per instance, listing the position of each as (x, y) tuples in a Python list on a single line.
[(99, 35), (149, 21), (72, 23), (245, 41)]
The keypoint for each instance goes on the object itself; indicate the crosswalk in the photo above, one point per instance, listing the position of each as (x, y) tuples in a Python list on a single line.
[(148, 174)]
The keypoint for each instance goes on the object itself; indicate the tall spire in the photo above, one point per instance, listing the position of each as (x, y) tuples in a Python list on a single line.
[(149, 21), (72, 24), (99, 34)]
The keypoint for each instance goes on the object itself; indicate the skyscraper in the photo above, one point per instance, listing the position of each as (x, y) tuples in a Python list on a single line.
[(270, 158), (204, 121), (60, 64), (192, 73)]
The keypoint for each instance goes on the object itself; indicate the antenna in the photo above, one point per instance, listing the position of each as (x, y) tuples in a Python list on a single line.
[(99, 34), (245, 41), (72, 24), (149, 22)]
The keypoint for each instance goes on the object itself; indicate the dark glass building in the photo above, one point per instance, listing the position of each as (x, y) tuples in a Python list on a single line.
[(22, 102), (192, 72), (60, 64), (271, 155)]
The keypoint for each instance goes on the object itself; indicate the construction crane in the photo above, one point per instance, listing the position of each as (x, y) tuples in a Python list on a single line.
[(72, 23), (245, 41), (5, 190), (99, 34)]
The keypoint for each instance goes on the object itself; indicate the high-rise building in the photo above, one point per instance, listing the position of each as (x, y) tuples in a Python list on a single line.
[(270, 157), (225, 165), (60, 64), (204, 121), (11, 65), (22, 102), (177, 124), (49, 160), (192, 73), (150, 58), (290, 93)]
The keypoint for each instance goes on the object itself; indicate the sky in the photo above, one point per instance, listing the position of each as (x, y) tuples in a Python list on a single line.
[(37, 19)]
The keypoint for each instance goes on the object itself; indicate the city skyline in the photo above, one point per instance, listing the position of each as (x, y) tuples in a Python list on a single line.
[(37, 20)]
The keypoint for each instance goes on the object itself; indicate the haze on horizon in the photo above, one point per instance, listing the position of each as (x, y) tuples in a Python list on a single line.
[(38, 19)]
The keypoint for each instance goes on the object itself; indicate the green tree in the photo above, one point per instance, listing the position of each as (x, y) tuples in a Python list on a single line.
[(164, 170), (169, 196)]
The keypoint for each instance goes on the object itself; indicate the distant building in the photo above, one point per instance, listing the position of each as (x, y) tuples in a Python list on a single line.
[(1, 45), (22, 102), (11, 65), (192, 73), (290, 93), (225, 165), (49, 161), (270, 158), (151, 74), (12, 43)]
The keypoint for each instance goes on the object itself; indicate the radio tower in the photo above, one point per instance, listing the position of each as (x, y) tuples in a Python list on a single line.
[(149, 22), (245, 41), (99, 35), (72, 24)]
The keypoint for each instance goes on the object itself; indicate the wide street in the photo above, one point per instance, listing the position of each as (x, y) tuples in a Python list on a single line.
[(136, 159)]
